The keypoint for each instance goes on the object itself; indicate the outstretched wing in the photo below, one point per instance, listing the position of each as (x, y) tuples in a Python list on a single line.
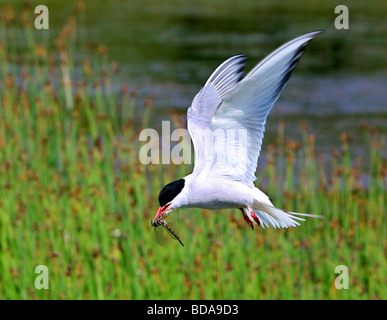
[(238, 124), (205, 103)]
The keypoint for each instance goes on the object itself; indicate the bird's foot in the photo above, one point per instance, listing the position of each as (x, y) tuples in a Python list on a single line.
[(250, 223), (255, 217)]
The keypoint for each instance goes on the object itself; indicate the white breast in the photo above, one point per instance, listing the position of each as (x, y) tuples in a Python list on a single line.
[(211, 192)]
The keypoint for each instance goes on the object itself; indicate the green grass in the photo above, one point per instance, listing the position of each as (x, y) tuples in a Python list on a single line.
[(75, 197)]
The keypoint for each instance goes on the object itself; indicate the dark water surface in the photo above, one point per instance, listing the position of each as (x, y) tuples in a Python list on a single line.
[(167, 49)]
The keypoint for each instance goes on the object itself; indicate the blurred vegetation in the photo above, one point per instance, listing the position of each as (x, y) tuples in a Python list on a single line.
[(74, 196)]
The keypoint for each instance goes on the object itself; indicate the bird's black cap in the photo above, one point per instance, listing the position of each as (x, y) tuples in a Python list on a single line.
[(170, 191)]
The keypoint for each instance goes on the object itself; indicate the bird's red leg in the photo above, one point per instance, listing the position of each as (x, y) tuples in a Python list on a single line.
[(255, 217), (247, 219)]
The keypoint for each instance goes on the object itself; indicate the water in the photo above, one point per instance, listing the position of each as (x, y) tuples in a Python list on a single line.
[(167, 49)]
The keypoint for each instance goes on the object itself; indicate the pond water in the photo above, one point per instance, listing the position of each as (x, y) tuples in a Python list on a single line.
[(167, 49)]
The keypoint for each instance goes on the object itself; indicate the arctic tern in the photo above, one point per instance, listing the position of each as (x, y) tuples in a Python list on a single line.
[(226, 122)]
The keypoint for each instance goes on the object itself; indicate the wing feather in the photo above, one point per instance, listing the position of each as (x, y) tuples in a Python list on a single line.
[(205, 103), (238, 124)]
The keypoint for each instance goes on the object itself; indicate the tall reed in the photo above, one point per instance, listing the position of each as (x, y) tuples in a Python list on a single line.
[(75, 197)]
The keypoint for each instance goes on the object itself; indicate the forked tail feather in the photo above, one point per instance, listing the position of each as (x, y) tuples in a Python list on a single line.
[(272, 216)]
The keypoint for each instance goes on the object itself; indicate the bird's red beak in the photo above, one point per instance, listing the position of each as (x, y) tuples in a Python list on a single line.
[(161, 211)]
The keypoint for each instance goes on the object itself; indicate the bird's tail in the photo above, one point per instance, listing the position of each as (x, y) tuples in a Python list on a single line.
[(272, 216)]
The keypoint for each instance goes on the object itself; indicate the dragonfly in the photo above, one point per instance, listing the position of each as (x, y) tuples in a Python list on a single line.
[(160, 222)]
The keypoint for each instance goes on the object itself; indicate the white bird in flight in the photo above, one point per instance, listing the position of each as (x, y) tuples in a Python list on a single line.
[(226, 122)]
